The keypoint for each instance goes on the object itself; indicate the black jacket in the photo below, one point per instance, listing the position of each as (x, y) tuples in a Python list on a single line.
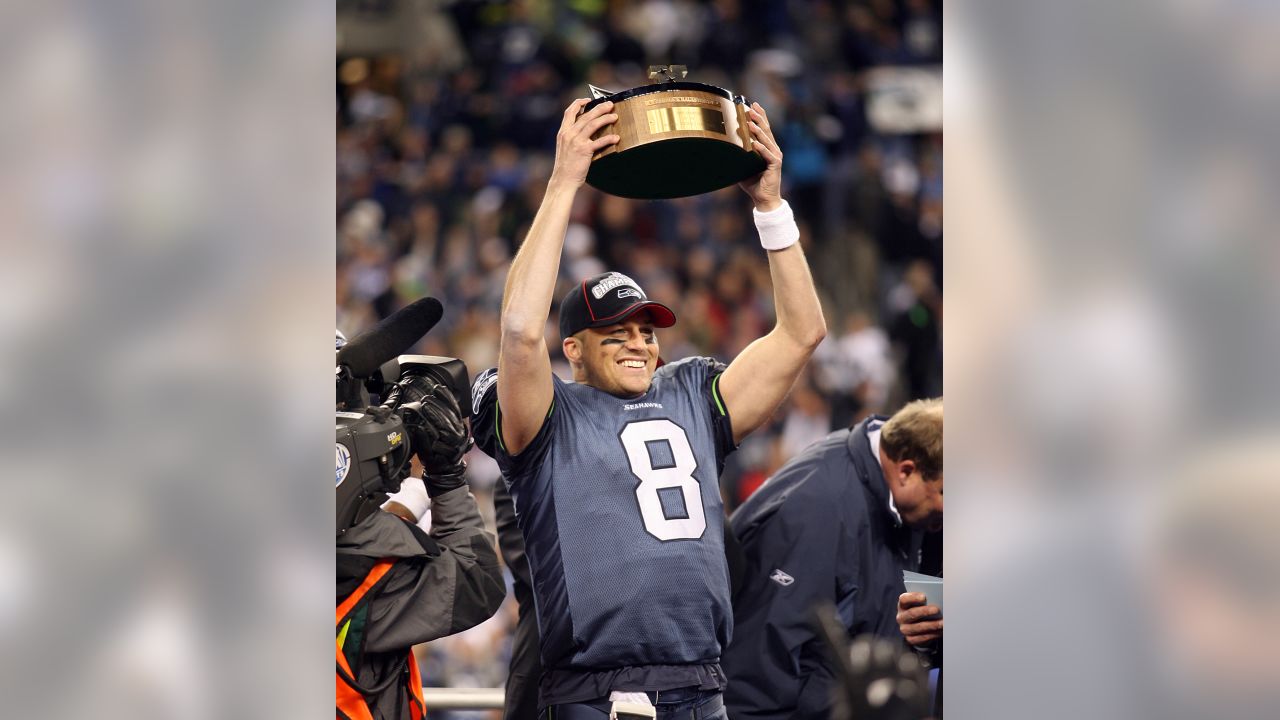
[(440, 585), (819, 531)]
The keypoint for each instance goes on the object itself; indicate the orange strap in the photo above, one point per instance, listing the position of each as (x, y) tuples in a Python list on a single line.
[(352, 704), (417, 706), (369, 581)]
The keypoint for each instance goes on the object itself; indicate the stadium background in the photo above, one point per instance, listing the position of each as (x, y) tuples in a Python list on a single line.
[(447, 114)]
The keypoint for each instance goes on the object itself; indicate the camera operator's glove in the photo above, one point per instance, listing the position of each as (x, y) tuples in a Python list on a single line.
[(436, 431)]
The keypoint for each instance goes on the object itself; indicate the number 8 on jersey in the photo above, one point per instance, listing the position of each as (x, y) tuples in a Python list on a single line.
[(638, 438)]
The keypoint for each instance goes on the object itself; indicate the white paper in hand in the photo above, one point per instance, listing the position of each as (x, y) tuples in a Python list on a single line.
[(929, 585)]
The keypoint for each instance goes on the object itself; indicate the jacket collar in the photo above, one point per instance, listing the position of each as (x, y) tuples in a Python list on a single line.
[(867, 464)]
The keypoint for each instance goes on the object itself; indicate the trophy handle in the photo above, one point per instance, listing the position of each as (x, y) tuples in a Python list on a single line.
[(658, 73), (598, 93), (741, 105)]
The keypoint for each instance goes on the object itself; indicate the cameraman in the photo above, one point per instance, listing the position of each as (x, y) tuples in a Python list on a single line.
[(397, 585)]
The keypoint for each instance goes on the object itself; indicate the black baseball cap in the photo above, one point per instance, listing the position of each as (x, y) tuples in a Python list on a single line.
[(607, 299)]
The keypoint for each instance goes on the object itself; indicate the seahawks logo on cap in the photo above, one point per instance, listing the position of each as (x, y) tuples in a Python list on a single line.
[(613, 280), (629, 292)]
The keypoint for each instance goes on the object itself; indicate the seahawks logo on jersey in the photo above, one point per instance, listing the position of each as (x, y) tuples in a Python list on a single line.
[(482, 384)]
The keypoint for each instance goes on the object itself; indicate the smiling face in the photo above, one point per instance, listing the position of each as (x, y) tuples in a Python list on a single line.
[(619, 359)]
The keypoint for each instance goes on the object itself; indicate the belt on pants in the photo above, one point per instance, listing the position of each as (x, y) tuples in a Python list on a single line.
[(599, 710)]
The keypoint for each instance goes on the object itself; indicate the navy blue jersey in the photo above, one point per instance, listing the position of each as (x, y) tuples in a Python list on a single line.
[(619, 503)]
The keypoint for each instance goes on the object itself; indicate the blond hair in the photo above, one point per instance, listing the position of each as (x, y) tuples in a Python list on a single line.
[(915, 433)]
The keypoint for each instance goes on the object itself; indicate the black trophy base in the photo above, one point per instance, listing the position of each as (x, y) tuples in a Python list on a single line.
[(673, 168)]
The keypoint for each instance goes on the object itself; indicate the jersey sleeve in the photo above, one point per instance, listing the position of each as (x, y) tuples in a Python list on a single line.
[(484, 412), (486, 427), (702, 376)]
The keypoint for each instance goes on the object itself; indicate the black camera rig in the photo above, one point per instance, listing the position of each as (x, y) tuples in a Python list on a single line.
[(373, 446)]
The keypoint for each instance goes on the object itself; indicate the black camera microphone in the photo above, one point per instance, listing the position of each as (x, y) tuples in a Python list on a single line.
[(364, 355)]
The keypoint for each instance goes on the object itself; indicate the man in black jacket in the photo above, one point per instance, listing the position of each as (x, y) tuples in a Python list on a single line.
[(837, 524), (398, 586)]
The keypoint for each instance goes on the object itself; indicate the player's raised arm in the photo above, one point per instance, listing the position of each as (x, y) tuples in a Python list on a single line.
[(759, 378), (524, 367)]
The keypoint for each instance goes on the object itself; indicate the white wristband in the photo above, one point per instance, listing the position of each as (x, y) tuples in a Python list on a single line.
[(777, 227), (412, 495)]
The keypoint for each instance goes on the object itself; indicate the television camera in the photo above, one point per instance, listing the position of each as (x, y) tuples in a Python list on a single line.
[(374, 441)]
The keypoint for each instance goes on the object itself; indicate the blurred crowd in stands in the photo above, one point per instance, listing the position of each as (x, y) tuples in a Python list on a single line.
[(444, 150)]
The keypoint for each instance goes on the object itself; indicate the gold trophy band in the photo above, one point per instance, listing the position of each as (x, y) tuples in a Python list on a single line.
[(668, 114)]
